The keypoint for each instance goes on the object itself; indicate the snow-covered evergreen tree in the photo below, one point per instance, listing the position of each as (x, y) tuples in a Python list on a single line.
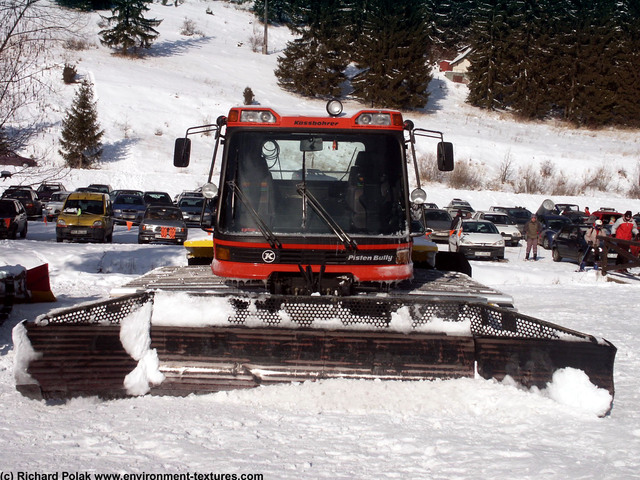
[(81, 133), (130, 29)]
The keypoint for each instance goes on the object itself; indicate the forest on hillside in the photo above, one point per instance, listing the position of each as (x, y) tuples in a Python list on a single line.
[(574, 60)]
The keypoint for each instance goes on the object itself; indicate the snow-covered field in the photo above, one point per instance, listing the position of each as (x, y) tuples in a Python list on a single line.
[(463, 429)]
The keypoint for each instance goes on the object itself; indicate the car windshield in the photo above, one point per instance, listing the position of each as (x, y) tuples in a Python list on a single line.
[(58, 197), (356, 179), (157, 198), (129, 200), (479, 227), (191, 202), (520, 214), (557, 223), (79, 207), (433, 216), (498, 219), (163, 214)]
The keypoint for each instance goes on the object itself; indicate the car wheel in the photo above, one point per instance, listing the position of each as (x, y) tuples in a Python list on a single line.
[(59, 239), (23, 233), (556, 255)]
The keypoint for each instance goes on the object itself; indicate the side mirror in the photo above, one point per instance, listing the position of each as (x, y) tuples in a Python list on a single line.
[(417, 229), (445, 156), (182, 152)]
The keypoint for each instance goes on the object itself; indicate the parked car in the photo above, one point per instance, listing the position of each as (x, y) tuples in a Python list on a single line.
[(101, 187), (87, 217), (13, 219), (29, 199), (430, 205), (54, 206), (519, 215), (128, 208), (607, 215), (187, 193), (46, 189), (551, 224), (507, 228), (439, 222), (477, 239), (191, 208), (569, 244), (457, 204), (162, 223), (157, 198)]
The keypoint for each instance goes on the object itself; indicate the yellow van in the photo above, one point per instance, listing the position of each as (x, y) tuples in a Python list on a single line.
[(86, 217)]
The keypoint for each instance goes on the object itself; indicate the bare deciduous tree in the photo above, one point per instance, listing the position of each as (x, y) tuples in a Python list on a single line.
[(28, 29)]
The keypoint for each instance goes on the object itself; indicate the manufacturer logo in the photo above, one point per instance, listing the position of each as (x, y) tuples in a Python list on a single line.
[(268, 256)]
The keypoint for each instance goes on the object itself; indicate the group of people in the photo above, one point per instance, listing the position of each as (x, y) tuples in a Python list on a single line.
[(624, 228)]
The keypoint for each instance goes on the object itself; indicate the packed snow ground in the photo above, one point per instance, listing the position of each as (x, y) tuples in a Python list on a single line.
[(467, 428)]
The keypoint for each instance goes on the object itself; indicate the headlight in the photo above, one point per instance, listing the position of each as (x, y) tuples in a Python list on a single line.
[(499, 243), (465, 240), (97, 224), (61, 223), (117, 210)]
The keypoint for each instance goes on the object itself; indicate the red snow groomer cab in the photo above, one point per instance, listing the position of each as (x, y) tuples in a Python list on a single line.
[(313, 204)]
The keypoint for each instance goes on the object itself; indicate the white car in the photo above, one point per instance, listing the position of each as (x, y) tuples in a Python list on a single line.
[(507, 228), (477, 239), (54, 205)]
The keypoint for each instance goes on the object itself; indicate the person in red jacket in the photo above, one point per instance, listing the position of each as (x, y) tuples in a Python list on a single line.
[(625, 228)]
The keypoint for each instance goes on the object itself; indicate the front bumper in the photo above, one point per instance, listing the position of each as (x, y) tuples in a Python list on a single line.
[(492, 253), (81, 233)]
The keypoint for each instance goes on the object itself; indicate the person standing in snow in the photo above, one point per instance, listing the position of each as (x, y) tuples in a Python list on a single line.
[(593, 245), (624, 228), (531, 231)]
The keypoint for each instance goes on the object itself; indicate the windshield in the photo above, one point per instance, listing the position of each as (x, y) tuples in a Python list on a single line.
[(479, 227), (498, 219), (79, 207), (163, 214), (357, 179)]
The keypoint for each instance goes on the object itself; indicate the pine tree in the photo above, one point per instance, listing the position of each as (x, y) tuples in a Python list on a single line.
[(130, 29), (392, 53), (313, 65), (488, 78), (81, 133)]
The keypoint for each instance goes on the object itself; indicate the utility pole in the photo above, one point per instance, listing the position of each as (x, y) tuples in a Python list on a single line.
[(265, 48)]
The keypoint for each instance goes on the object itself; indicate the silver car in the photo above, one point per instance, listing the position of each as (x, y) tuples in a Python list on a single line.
[(162, 224), (54, 205)]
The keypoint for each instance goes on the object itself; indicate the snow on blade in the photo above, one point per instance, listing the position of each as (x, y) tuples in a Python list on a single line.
[(24, 354), (572, 387), (136, 340)]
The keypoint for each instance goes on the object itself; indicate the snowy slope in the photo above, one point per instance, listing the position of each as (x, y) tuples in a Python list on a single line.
[(467, 428)]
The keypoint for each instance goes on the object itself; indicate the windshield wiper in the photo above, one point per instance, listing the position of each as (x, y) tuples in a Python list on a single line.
[(262, 226), (343, 236)]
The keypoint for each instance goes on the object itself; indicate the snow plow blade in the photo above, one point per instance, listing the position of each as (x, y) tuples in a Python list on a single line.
[(242, 341)]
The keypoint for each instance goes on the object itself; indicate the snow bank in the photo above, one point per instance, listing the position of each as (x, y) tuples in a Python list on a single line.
[(136, 340)]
